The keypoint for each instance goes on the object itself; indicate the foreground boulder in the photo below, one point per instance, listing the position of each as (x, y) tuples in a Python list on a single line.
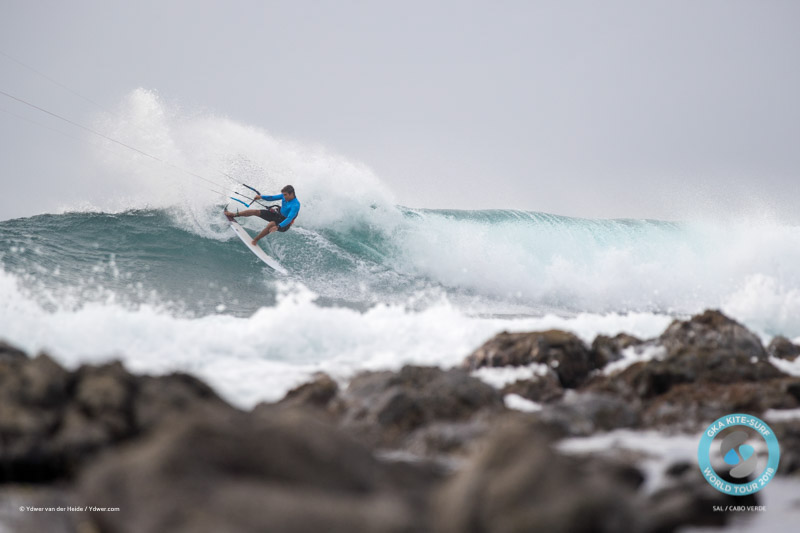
[(687, 406), (52, 421), (519, 484), (424, 410), (276, 470)]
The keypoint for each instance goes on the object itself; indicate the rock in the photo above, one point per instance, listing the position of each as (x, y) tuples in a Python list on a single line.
[(609, 349), (540, 389), (710, 366), (232, 471), (709, 348), (53, 421), (159, 399), (688, 500), (788, 434), (10, 353), (519, 484), (783, 348), (105, 395), (32, 392), (41, 382), (321, 394), (385, 409), (713, 337), (582, 414), (689, 407), (793, 389), (12, 497), (676, 470), (447, 442), (565, 353)]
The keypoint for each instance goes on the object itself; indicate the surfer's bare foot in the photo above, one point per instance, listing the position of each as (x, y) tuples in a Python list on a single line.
[(254, 242), (229, 215)]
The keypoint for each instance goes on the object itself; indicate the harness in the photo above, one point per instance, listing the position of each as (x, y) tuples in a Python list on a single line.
[(277, 208)]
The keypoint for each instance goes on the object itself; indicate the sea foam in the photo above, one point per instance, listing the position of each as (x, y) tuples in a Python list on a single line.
[(260, 357)]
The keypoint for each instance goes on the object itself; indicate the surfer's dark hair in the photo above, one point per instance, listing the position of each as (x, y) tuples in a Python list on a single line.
[(288, 189)]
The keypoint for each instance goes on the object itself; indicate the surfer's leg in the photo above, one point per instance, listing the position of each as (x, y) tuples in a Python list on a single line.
[(245, 213), (266, 231)]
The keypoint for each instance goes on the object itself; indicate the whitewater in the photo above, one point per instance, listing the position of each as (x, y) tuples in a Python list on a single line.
[(149, 273)]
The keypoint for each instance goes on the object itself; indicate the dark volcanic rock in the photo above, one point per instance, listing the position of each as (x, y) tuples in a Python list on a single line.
[(586, 413), (564, 352), (687, 500), (390, 409), (712, 347), (541, 389), (709, 348), (687, 406), (160, 398), (52, 420), (222, 470), (10, 353), (706, 367), (788, 435), (518, 484), (320, 394), (177, 458), (609, 349), (711, 334), (40, 496), (783, 348)]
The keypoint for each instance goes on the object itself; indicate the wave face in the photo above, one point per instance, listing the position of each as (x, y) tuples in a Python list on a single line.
[(484, 262)]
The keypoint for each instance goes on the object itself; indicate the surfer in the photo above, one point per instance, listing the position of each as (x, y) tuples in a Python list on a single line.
[(278, 220)]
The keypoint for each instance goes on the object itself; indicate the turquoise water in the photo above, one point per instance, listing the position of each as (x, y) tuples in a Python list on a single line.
[(150, 256)]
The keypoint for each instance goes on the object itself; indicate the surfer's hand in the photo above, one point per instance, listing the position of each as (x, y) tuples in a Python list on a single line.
[(258, 197)]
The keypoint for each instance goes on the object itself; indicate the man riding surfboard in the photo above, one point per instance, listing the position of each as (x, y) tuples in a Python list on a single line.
[(279, 220)]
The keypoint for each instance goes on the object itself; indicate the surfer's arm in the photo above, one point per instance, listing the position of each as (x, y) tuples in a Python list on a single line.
[(293, 210), (273, 197)]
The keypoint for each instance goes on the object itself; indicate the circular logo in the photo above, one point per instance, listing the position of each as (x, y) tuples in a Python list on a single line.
[(743, 449)]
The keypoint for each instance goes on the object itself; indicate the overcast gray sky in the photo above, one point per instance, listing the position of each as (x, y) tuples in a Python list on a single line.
[(588, 108)]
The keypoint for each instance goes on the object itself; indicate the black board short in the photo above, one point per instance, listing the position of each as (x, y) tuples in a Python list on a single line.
[(273, 215)]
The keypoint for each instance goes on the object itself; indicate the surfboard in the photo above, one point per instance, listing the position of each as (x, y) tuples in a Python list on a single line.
[(257, 250)]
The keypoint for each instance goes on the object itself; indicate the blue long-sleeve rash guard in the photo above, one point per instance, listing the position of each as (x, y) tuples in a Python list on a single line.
[(289, 209)]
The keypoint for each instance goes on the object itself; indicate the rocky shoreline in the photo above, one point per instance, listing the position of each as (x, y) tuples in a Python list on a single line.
[(419, 449)]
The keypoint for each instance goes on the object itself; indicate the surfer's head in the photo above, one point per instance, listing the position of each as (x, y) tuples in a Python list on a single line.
[(288, 192)]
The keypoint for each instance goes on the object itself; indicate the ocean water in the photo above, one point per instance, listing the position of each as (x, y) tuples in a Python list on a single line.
[(166, 290), (151, 274)]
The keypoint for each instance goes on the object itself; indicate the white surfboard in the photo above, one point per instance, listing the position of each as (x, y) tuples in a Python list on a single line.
[(260, 253)]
